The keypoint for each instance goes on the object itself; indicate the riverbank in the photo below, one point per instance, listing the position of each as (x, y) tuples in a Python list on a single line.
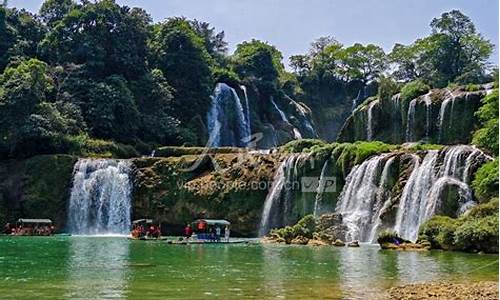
[(484, 290)]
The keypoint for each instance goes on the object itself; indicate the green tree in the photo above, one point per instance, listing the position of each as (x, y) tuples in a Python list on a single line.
[(487, 135), (180, 53), (22, 88), (257, 59), (361, 62), (214, 41), (53, 11), (106, 38)]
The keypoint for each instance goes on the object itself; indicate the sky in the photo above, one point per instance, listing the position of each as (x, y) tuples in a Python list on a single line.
[(291, 25)]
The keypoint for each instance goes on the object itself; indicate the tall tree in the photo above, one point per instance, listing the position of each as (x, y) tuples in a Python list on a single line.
[(259, 60)]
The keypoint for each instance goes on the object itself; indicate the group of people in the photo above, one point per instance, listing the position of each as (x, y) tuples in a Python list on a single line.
[(41, 230), (148, 231), (206, 232)]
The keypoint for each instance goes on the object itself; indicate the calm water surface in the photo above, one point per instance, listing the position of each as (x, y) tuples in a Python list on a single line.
[(114, 267)]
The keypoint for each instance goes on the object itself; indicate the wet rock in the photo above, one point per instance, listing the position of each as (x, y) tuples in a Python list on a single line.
[(353, 244), (329, 227), (300, 240), (404, 246), (338, 243)]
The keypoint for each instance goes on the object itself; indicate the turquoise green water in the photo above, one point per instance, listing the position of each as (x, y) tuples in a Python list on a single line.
[(114, 267)]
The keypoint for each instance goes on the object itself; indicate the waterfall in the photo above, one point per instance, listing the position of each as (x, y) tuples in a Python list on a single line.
[(100, 197), (296, 132), (369, 127), (382, 201), (226, 121), (247, 109), (442, 114), (421, 196), (321, 188), (358, 197), (278, 203), (414, 202), (282, 114), (428, 113), (365, 195), (410, 121)]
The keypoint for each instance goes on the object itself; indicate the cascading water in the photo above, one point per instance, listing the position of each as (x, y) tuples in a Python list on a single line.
[(247, 109), (410, 121), (296, 132), (277, 205), (414, 205), (428, 113), (226, 120), (321, 188), (442, 114), (369, 127), (359, 196), (364, 196), (100, 197)]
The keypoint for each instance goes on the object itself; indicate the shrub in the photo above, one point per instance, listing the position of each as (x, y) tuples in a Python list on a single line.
[(413, 89), (298, 146), (347, 155), (305, 227), (487, 136), (483, 210), (478, 234), (485, 183), (387, 88), (439, 231)]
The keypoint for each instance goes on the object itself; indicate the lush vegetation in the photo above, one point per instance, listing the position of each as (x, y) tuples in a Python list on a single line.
[(487, 136), (78, 74), (475, 231), (305, 227), (485, 183)]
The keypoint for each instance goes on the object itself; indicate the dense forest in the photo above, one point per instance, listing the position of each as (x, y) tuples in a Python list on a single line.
[(99, 78)]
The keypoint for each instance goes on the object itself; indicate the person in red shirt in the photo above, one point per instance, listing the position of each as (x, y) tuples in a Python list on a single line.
[(188, 231)]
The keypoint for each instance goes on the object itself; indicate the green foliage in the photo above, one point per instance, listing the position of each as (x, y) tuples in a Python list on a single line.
[(439, 231), (298, 146), (478, 234), (486, 209), (84, 146), (347, 155), (305, 227), (413, 89), (180, 53), (425, 147), (476, 231), (387, 88), (487, 136), (106, 38), (257, 59), (485, 183)]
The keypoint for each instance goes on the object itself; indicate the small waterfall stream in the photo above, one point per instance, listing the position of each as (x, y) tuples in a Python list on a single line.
[(100, 197), (410, 121), (278, 206), (369, 128), (321, 188), (227, 124), (296, 133), (442, 114)]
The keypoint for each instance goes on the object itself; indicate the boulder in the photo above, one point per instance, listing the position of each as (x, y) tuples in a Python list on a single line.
[(300, 240), (353, 244), (338, 243), (330, 227)]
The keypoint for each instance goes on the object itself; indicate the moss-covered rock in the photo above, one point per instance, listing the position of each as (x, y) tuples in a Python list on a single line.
[(36, 188)]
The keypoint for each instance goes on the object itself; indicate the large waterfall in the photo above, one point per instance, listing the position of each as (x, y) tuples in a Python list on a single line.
[(364, 197), (228, 125), (100, 197)]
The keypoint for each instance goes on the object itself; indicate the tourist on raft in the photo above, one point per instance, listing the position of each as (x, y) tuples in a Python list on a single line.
[(188, 231)]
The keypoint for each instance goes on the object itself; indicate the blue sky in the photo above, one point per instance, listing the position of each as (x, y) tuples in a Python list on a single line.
[(291, 25)]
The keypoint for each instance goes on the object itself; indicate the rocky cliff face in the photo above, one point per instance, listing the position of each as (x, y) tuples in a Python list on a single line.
[(36, 188), (176, 190), (442, 116)]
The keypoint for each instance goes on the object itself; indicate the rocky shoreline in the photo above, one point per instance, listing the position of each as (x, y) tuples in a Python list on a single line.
[(484, 290)]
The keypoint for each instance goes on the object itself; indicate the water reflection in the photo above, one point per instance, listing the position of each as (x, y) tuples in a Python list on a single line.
[(88, 258)]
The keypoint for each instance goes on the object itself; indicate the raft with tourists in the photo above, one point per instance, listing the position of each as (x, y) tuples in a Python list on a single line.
[(207, 231)]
